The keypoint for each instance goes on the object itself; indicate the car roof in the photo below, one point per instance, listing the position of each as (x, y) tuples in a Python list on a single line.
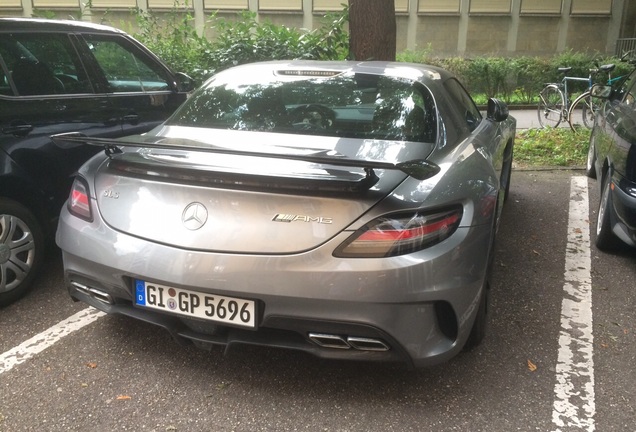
[(40, 24), (411, 71)]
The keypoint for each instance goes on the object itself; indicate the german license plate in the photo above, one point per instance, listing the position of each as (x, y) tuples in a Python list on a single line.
[(228, 310)]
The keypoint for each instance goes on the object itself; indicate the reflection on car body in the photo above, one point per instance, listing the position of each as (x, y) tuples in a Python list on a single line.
[(612, 160), (344, 209)]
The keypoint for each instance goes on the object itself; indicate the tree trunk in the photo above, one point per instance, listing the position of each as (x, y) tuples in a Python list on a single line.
[(372, 29)]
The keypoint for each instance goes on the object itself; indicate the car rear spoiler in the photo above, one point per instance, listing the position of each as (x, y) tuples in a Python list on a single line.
[(418, 168)]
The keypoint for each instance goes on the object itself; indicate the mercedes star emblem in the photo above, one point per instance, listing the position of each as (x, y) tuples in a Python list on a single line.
[(194, 216)]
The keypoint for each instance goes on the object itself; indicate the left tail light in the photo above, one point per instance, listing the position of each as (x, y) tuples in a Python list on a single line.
[(79, 203), (400, 234)]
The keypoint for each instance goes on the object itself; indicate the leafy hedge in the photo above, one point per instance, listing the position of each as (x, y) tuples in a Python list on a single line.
[(243, 40), (516, 80)]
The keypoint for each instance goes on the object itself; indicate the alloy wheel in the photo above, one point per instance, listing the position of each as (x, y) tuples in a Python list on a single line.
[(17, 252)]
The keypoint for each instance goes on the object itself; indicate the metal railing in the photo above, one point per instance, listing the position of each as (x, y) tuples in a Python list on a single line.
[(625, 45)]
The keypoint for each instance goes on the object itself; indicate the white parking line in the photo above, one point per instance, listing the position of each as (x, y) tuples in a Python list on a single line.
[(42, 341), (574, 405)]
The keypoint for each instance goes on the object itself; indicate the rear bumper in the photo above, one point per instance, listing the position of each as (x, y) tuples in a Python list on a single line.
[(280, 332), (421, 306)]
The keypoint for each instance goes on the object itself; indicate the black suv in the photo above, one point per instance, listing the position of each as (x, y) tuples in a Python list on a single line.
[(59, 77)]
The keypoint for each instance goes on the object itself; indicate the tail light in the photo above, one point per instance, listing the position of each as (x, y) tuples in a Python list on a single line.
[(400, 234), (79, 203)]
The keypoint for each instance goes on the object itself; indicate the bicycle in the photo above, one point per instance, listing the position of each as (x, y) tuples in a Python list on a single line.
[(554, 100), (587, 104)]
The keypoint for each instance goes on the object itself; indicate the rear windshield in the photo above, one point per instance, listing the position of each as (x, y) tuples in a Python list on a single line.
[(345, 105)]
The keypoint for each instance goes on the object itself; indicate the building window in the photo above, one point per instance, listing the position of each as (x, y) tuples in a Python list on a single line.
[(337, 5), (490, 6), (329, 5), (168, 4), (226, 4), (541, 7), (280, 5), (11, 4), (591, 7), (439, 6), (113, 3), (55, 3)]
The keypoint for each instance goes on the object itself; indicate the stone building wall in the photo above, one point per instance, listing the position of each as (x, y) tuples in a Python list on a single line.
[(447, 27)]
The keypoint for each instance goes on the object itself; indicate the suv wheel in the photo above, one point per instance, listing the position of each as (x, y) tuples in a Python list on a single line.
[(21, 249)]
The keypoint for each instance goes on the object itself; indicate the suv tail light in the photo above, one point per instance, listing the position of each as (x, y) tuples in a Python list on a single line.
[(79, 203), (400, 234)]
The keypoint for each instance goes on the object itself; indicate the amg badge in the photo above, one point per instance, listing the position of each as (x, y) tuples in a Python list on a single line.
[(280, 217)]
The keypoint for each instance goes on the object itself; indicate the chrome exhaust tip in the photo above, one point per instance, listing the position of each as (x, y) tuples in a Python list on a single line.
[(367, 344), (347, 342), (98, 295), (329, 341)]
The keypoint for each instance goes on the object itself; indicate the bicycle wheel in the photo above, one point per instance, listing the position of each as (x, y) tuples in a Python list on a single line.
[(551, 102), (581, 114)]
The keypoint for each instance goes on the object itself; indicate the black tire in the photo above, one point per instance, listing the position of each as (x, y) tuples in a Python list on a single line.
[(581, 115), (550, 108), (590, 167), (605, 238), (506, 172), (589, 112), (480, 326), (21, 249)]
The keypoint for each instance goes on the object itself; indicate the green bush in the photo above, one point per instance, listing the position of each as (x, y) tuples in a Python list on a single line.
[(243, 40), (517, 80), (175, 40), (531, 75)]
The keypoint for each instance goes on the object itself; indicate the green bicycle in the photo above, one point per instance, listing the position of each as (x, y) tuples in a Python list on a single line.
[(554, 100)]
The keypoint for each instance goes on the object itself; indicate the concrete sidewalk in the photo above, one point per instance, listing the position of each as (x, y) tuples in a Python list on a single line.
[(527, 118)]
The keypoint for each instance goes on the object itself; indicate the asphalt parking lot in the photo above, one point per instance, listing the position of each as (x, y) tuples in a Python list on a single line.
[(542, 366)]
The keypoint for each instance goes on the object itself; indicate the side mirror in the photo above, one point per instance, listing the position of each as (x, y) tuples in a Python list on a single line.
[(601, 91), (497, 110), (184, 82)]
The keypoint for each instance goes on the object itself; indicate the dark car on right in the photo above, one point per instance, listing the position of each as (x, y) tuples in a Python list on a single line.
[(612, 160)]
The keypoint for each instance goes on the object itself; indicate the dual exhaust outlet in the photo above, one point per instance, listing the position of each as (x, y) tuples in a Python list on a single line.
[(98, 295), (348, 342)]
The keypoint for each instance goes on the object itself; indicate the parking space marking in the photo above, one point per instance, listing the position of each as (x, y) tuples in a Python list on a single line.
[(42, 341), (574, 406)]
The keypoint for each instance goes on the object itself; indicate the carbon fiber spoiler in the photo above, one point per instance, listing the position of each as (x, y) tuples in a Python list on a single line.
[(418, 168)]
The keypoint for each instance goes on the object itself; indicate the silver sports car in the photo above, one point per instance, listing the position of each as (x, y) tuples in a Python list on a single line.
[(345, 209)]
